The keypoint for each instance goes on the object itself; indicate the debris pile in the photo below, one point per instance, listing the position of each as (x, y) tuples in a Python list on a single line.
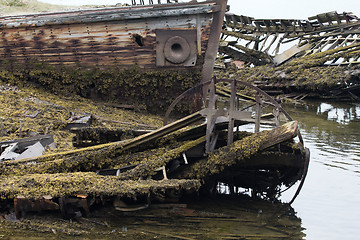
[(254, 39), (149, 166), (322, 64)]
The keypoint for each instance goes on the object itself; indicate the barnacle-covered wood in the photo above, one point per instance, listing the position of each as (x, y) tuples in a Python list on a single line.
[(35, 186), (90, 136), (95, 157), (162, 147), (90, 158)]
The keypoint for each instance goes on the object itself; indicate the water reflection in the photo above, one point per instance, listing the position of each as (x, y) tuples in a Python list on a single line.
[(340, 114), (334, 129), (224, 217), (329, 202)]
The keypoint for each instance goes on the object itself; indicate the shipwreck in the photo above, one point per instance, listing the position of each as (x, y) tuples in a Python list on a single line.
[(112, 52), (204, 153), (148, 54), (316, 57)]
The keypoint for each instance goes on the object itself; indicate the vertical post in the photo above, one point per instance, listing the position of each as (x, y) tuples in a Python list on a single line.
[(232, 109), (198, 34), (258, 113), (237, 109), (276, 113), (210, 117), (213, 44)]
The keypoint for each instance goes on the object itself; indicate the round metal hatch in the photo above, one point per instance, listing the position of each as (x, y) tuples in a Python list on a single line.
[(176, 50)]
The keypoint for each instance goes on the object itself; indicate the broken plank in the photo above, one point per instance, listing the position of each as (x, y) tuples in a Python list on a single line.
[(239, 151)]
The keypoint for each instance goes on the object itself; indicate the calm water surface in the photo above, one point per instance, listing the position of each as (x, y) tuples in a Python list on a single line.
[(329, 203)]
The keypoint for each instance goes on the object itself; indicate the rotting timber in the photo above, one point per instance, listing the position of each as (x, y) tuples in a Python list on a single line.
[(322, 61), (165, 165)]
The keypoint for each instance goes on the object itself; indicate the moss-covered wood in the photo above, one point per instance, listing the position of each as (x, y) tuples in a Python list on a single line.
[(238, 152), (36, 186), (148, 168)]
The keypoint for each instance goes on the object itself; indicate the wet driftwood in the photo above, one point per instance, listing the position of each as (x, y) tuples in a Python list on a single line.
[(91, 158), (36, 186)]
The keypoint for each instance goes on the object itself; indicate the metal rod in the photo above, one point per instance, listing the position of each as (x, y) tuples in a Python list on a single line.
[(213, 44), (237, 109)]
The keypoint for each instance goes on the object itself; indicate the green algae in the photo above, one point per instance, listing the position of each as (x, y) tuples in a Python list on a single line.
[(224, 157)]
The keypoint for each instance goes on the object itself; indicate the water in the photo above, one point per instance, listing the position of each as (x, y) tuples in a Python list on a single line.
[(329, 201)]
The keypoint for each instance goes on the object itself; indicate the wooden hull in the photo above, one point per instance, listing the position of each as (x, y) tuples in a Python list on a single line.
[(110, 37)]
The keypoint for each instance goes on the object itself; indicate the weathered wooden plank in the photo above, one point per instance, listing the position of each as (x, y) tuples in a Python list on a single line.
[(99, 43), (91, 16), (286, 55)]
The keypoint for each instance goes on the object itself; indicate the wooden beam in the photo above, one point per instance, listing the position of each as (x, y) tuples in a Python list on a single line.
[(239, 151)]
